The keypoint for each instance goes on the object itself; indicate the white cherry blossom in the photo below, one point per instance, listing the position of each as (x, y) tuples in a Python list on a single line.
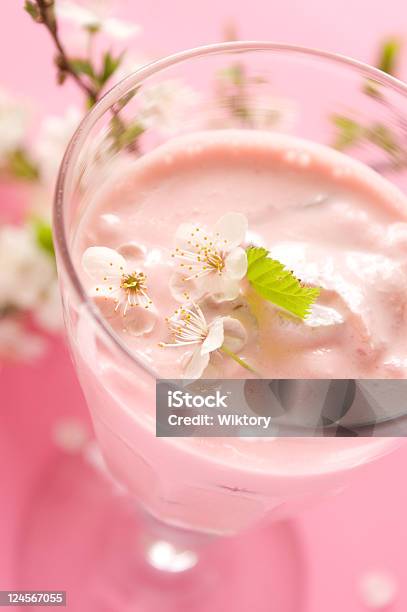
[(48, 310), (129, 64), (18, 343), (28, 280), (274, 113), (378, 589), (54, 135), (211, 263), (245, 100), (121, 288), (166, 106), (70, 435), (26, 271), (264, 113), (189, 328), (95, 15), (13, 123)]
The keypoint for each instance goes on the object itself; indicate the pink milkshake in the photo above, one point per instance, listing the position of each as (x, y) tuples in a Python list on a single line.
[(141, 249)]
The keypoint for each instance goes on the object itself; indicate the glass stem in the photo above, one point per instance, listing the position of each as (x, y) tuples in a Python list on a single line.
[(169, 549)]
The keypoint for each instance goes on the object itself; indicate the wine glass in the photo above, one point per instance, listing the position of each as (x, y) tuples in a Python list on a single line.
[(186, 495)]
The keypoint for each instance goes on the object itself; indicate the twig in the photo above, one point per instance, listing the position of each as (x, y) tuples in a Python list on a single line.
[(238, 360), (47, 18), (43, 11)]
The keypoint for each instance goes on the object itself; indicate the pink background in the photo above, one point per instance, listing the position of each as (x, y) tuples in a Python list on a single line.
[(364, 528)]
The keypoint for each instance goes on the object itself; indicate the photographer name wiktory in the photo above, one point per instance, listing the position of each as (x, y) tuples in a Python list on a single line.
[(281, 407)]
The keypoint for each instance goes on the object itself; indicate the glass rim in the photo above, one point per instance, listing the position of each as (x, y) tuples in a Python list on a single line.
[(75, 145)]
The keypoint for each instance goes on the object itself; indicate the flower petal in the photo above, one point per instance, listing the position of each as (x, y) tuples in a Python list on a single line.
[(232, 227), (220, 287), (131, 250), (106, 302), (235, 334), (196, 364), (79, 15), (181, 289), (102, 263), (214, 339), (183, 235), (139, 321), (236, 263), (120, 29)]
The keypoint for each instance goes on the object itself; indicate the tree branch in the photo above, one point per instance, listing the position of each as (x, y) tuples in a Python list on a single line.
[(46, 10)]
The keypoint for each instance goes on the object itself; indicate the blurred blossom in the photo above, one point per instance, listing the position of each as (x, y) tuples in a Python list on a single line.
[(48, 312), (40, 201), (245, 100), (378, 589), (13, 123), (54, 136), (260, 113), (95, 15), (18, 343), (166, 105), (26, 271), (129, 64), (70, 435), (273, 113)]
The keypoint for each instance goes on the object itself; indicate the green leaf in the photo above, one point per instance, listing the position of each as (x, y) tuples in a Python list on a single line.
[(126, 98), (387, 140), (21, 166), (270, 279), (254, 254), (389, 55), (82, 66), (43, 235), (235, 74), (109, 67), (124, 135), (372, 88), (349, 131), (383, 137), (32, 9), (131, 133)]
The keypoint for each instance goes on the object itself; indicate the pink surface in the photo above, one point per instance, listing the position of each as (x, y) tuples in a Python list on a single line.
[(362, 529)]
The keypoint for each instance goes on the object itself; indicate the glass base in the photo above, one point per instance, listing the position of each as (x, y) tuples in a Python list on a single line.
[(80, 537)]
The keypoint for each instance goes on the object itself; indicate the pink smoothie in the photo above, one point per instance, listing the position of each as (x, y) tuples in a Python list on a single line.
[(331, 220)]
